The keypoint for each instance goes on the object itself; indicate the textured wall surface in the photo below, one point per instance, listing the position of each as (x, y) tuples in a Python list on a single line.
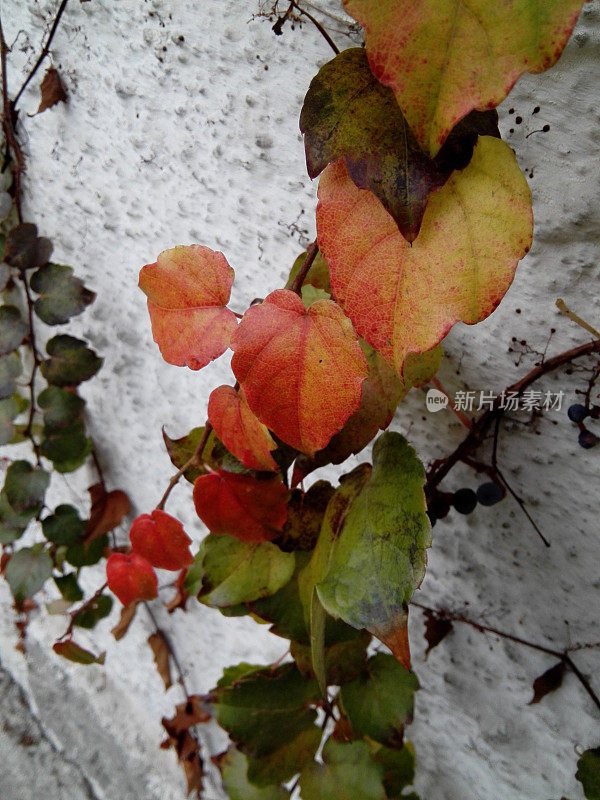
[(182, 127)]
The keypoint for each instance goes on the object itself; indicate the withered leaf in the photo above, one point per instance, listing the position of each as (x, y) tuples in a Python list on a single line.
[(52, 90), (160, 648), (108, 510), (184, 743), (436, 629), (125, 620), (548, 682)]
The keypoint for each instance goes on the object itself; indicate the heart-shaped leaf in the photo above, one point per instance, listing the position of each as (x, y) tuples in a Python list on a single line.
[(348, 113), (234, 771), (64, 527), (443, 58), (24, 249), (240, 430), (187, 290), (27, 571), (12, 329), (62, 295), (249, 509), (70, 362), (25, 486), (131, 577), (301, 369), (161, 540), (404, 298), (348, 770)]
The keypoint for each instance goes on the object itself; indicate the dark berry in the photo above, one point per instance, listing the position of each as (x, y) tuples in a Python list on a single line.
[(464, 501), (587, 439), (489, 494), (439, 506), (577, 412)]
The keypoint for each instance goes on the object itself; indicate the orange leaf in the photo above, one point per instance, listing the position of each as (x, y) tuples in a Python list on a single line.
[(301, 369), (131, 577), (161, 540), (242, 433), (444, 58), (404, 298), (108, 510), (188, 289), (251, 510)]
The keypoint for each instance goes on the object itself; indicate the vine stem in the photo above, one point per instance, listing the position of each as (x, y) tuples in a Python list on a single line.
[(563, 655), (480, 427), (311, 254), (167, 640), (82, 607), (9, 116), (317, 25), (189, 463)]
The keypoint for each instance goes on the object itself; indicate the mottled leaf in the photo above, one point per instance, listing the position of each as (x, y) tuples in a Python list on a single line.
[(13, 329), (62, 295), (443, 58), (161, 540), (380, 702), (548, 682), (160, 650), (348, 771), (10, 368), (234, 772), (588, 773), (348, 113), (404, 298), (64, 527), (187, 290), (70, 362), (227, 571), (52, 90), (242, 433), (301, 369), (342, 661), (242, 506), (399, 768), (93, 612), (74, 652), (27, 571), (24, 249), (305, 515)]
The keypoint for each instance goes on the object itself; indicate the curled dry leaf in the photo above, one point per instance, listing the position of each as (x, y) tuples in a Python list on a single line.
[(125, 620), (108, 510), (187, 290), (301, 369), (548, 682), (242, 433), (241, 506), (52, 90), (404, 298), (161, 540), (131, 577), (160, 649)]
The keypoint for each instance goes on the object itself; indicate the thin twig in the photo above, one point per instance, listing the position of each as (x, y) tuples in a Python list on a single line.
[(563, 655), (81, 608), (172, 653), (563, 308), (311, 254), (189, 463), (318, 26), (44, 52), (28, 432), (9, 116)]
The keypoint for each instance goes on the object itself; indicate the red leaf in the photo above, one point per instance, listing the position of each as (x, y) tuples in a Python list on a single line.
[(108, 510), (131, 578), (188, 289), (242, 433), (251, 510), (161, 540), (301, 369)]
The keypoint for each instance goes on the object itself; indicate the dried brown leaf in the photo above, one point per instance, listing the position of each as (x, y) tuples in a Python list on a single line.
[(161, 651), (436, 628), (108, 510), (548, 682), (180, 598), (122, 626), (52, 90)]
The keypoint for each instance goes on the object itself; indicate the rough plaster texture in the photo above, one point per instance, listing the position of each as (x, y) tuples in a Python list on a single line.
[(182, 127)]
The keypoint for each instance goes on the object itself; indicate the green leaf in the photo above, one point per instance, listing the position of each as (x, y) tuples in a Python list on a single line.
[(317, 276), (588, 773), (338, 663), (227, 571), (10, 368), (73, 652), (68, 587), (70, 362), (61, 407), (25, 486), (284, 609), (236, 672), (380, 702), (64, 527), (375, 553), (181, 450), (64, 442), (27, 571), (348, 771), (234, 771), (12, 329), (24, 249), (285, 762), (399, 768), (85, 554), (12, 523), (265, 712), (9, 409), (348, 113), (62, 296), (310, 295), (93, 612)]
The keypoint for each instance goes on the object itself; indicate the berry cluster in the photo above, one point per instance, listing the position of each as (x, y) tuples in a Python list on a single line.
[(464, 500), (578, 413)]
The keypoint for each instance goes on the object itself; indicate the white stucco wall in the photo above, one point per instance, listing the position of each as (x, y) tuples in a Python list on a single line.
[(182, 127)]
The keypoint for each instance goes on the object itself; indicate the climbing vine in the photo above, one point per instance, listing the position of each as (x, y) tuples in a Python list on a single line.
[(423, 215)]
